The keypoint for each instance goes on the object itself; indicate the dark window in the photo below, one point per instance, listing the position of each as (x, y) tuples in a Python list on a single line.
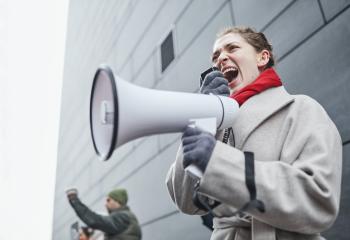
[(167, 51)]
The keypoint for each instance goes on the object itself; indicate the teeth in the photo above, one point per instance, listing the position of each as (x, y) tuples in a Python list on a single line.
[(229, 69), (230, 73)]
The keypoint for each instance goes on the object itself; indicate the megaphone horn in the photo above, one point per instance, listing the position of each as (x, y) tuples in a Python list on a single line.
[(121, 111)]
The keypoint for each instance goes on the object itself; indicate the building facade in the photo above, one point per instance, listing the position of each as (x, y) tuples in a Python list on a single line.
[(165, 45)]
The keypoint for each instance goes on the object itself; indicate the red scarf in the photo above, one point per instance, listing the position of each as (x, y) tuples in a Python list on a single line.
[(267, 79)]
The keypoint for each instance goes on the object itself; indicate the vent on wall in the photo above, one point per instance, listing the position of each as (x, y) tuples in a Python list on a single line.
[(167, 51)]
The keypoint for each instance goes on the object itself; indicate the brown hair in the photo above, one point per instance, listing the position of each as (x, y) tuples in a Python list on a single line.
[(254, 38)]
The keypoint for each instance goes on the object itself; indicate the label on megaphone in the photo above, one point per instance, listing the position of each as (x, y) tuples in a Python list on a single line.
[(106, 113)]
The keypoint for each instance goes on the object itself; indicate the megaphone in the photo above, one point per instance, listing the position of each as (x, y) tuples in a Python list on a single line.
[(121, 111)]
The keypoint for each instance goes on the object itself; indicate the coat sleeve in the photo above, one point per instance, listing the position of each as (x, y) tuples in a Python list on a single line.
[(112, 224), (181, 187), (301, 190)]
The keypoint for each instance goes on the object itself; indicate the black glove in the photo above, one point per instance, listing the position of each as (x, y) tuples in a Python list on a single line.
[(216, 84), (197, 146)]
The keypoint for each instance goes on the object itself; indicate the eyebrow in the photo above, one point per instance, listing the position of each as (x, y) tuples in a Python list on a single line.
[(217, 52)]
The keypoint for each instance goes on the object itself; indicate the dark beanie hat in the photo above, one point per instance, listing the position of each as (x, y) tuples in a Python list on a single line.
[(120, 195)]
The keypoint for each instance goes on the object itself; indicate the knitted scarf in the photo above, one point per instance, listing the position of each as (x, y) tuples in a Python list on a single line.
[(267, 79)]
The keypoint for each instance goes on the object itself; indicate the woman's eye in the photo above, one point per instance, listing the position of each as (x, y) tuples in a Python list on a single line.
[(232, 47)]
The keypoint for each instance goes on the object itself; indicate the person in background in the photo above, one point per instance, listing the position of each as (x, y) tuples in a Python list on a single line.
[(85, 233), (120, 224), (279, 176)]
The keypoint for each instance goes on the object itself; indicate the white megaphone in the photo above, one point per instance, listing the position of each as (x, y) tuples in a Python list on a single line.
[(121, 112)]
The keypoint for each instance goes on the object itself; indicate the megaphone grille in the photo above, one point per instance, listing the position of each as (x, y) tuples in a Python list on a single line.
[(104, 112)]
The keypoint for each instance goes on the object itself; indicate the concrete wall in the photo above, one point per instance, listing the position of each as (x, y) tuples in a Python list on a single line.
[(311, 42)]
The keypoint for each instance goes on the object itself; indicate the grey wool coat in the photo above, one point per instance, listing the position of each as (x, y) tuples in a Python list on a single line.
[(298, 160)]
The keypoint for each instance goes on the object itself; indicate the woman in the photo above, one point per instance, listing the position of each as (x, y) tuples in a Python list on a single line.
[(279, 176)]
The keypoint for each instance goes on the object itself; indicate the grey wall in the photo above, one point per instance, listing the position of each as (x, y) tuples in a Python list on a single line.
[(311, 42)]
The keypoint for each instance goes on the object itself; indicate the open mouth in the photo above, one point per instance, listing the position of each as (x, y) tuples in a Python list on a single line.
[(230, 73)]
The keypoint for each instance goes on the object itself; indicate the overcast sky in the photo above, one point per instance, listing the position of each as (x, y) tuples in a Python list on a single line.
[(32, 39)]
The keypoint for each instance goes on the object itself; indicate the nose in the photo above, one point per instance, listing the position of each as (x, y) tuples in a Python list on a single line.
[(222, 59)]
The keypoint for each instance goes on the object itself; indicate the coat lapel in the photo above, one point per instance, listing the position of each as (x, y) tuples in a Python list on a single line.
[(256, 110)]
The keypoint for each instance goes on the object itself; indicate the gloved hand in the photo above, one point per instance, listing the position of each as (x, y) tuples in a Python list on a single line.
[(72, 193), (216, 84), (198, 146)]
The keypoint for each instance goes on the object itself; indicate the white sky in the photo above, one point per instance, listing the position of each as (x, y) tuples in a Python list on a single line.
[(32, 41)]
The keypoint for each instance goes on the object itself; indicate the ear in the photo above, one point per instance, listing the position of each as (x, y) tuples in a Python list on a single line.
[(263, 58)]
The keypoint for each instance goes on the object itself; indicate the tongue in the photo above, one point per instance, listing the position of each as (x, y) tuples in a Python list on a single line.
[(231, 75)]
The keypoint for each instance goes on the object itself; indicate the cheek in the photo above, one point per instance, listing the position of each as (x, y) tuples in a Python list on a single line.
[(250, 64), (240, 59)]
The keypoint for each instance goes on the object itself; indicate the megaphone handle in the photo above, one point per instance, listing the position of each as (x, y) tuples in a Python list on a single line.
[(206, 124), (194, 171)]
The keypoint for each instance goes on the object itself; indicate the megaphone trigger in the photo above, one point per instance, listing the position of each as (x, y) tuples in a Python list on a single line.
[(205, 124)]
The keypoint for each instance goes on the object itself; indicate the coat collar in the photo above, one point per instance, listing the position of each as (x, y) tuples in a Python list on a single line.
[(256, 110)]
